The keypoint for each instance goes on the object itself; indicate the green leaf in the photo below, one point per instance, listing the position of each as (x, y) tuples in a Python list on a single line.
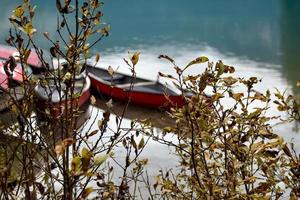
[(220, 68), (86, 154), (29, 29), (198, 60)]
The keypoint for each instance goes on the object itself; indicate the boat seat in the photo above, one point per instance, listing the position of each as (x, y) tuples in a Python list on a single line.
[(127, 85), (114, 78)]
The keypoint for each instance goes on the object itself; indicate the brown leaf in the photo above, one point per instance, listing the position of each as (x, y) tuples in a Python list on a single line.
[(166, 57), (135, 58), (238, 96), (92, 133), (97, 57), (68, 141)]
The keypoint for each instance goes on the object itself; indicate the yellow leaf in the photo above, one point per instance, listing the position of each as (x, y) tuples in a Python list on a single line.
[(217, 96), (86, 154), (104, 31), (229, 81), (260, 96), (75, 164), (14, 109), (19, 11), (105, 194), (135, 58), (86, 192), (93, 100), (198, 60), (26, 55), (282, 107), (67, 77), (168, 129), (237, 96), (277, 141), (110, 70), (29, 29), (293, 196)]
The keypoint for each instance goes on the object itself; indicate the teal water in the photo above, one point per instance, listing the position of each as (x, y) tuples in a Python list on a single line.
[(262, 31)]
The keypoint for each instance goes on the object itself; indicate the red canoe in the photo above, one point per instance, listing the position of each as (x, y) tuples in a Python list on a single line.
[(33, 60), (145, 92)]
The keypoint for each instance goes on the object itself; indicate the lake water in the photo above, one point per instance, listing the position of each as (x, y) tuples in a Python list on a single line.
[(259, 38), (264, 33)]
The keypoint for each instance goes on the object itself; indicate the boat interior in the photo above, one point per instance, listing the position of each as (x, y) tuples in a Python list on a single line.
[(124, 81), (52, 91)]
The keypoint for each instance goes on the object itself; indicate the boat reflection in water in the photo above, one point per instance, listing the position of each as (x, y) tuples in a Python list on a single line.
[(157, 118), (16, 152), (54, 130)]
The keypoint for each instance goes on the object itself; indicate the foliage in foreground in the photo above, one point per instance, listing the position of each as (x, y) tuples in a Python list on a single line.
[(226, 146)]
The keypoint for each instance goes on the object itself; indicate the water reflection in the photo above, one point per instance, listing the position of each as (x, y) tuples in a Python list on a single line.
[(290, 42), (132, 112), (239, 27), (265, 32)]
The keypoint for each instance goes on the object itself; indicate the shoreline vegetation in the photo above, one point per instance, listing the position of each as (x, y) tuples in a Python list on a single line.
[(225, 143)]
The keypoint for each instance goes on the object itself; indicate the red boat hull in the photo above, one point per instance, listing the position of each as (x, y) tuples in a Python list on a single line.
[(57, 109), (153, 100), (33, 59), (17, 75)]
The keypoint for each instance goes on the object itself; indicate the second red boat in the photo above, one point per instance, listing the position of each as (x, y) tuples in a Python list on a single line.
[(144, 92)]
